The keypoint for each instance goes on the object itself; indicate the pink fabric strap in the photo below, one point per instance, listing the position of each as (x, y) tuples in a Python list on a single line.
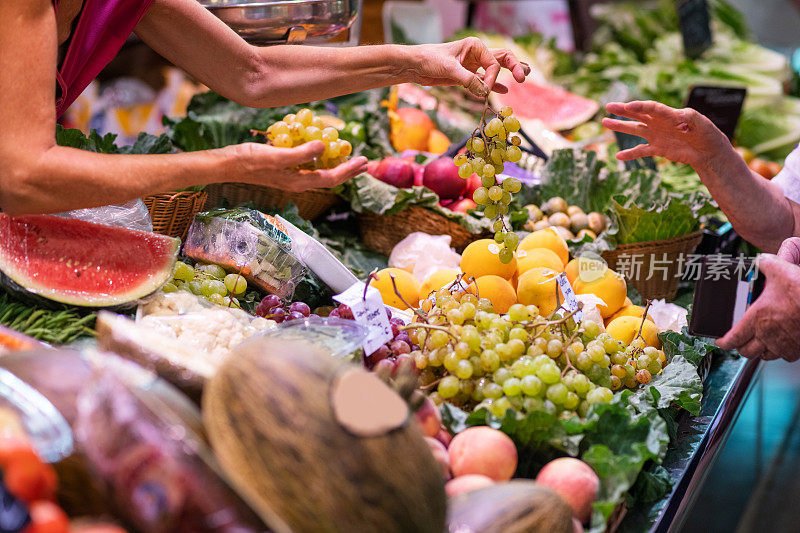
[(103, 27)]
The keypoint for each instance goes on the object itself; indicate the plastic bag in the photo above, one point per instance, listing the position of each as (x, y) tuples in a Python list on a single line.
[(423, 254), (247, 241), (131, 215), (590, 310), (668, 316), (160, 473)]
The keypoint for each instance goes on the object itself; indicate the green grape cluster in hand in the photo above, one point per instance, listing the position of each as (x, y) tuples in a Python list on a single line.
[(492, 144), (302, 127)]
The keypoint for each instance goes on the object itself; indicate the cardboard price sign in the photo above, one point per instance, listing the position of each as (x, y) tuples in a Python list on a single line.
[(722, 105), (695, 25)]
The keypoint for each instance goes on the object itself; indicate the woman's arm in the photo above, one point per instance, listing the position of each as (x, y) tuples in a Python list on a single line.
[(755, 206), (37, 176), (189, 36)]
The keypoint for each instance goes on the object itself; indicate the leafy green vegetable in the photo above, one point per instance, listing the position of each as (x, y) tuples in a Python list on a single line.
[(657, 221), (771, 131), (693, 349), (652, 484), (366, 193), (93, 142), (145, 143)]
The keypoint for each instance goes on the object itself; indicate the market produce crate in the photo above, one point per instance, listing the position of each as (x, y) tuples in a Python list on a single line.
[(382, 232), (310, 204), (172, 212), (663, 258)]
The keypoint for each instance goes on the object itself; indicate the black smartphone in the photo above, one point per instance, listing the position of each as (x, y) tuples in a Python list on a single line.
[(725, 287)]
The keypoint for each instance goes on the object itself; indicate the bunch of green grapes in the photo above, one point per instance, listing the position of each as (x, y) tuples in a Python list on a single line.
[(303, 127), (211, 282), (476, 358), (491, 145)]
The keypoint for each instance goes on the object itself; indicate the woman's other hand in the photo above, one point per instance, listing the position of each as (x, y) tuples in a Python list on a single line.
[(458, 62), (680, 135), (276, 167)]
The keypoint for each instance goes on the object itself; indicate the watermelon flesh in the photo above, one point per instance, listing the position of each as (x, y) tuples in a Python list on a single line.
[(558, 109), (81, 263)]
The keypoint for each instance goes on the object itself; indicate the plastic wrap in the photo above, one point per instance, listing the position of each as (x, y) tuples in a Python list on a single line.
[(668, 316), (24, 409), (12, 341), (423, 254), (130, 215), (339, 336), (246, 241), (162, 476)]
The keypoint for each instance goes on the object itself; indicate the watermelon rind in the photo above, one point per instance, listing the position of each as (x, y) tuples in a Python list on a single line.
[(19, 276)]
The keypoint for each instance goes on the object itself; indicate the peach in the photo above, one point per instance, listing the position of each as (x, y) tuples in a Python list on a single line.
[(483, 450), (428, 418), (440, 454), (468, 483), (573, 480)]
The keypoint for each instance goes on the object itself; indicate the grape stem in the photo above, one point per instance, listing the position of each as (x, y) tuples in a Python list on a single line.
[(432, 384), (372, 275), (418, 325), (417, 312), (644, 317)]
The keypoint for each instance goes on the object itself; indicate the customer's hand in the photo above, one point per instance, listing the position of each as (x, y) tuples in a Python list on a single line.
[(769, 329), (790, 250), (457, 63), (680, 135), (276, 167)]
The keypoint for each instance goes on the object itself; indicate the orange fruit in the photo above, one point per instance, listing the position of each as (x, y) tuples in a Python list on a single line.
[(496, 289), (550, 239), (437, 280), (537, 257), (631, 310), (538, 287), (481, 258), (626, 328), (438, 143), (609, 287), (410, 129), (407, 285)]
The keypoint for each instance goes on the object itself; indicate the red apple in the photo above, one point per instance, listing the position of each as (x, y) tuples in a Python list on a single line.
[(394, 171), (372, 168), (440, 454), (419, 172), (462, 205), (441, 176), (444, 202), (473, 182), (573, 480)]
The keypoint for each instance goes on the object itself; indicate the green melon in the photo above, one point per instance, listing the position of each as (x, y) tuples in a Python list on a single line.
[(321, 443), (75, 262)]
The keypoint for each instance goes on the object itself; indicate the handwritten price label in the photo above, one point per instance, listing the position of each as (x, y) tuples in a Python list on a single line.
[(368, 312)]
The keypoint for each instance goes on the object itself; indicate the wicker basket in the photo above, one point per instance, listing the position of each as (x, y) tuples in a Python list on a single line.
[(636, 261), (310, 204), (173, 212), (382, 232)]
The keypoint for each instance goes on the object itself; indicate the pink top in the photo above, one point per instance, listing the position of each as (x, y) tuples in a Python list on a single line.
[(102, 29)]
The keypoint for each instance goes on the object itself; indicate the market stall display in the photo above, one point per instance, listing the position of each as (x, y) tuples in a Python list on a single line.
[(501, 367)]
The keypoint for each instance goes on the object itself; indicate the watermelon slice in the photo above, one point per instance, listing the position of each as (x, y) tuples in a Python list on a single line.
[(557, 108), (81, 263)]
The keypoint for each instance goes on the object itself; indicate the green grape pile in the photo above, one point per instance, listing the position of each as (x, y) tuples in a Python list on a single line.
[(473, 357), (491, 145), (302, 127), (211, 282)]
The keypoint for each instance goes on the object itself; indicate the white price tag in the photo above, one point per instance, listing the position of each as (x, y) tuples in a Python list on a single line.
[(370, 313), (570, 301)]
